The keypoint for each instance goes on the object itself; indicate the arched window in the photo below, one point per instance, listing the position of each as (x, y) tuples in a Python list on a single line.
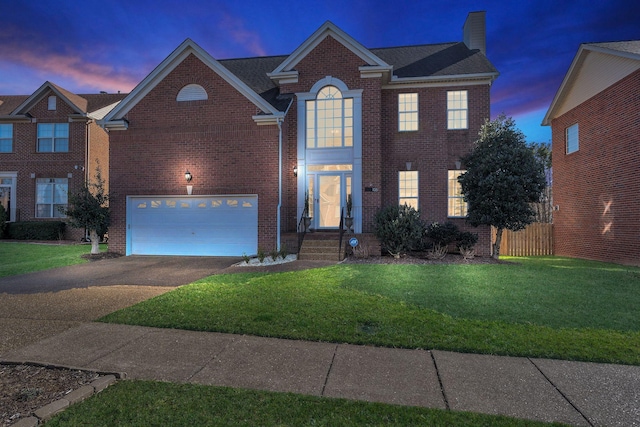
[(329, 119), (192, 92)]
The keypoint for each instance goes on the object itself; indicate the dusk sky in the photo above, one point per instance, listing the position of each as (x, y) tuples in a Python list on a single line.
[(90, 46)]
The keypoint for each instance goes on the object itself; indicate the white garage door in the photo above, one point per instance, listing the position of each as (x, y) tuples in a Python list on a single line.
[(192, 225)]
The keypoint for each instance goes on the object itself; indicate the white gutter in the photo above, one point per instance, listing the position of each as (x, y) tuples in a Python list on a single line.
[(278, 214)]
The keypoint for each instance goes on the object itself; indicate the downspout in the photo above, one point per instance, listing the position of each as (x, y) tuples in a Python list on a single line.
[(279, 121)]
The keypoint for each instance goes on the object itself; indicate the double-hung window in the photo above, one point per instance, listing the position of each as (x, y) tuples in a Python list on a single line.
[(53, 137), (572, 137), (51, 196), (6, 138), (329, 120), (457, 207), (457, 109), (408, 188), (407, 112)]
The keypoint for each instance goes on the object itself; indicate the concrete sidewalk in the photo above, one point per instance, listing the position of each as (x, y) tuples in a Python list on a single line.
[(576, 393)]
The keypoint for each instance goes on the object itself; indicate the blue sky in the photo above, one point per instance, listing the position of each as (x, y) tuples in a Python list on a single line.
[(93, 45)]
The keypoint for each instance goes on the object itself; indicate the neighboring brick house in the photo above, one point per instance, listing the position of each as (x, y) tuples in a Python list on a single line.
[(595, 123), (49, 144), (386, 126)]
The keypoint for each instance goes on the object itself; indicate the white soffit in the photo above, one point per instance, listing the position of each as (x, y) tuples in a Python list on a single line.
[(598, 72), (592, 71)]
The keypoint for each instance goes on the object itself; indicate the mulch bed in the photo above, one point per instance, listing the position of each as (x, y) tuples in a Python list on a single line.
[(26, 388)]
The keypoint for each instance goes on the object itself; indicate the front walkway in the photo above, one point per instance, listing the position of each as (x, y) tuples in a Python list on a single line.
[(546, 390)]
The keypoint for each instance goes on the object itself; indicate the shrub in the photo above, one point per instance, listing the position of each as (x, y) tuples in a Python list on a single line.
[(441, 235), (36, 230), (398, 228), (284, 251), (261, 255), (3, 221), (466, 242)]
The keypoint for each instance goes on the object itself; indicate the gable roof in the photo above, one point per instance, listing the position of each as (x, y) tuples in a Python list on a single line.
[(595, 67), (91, 105), (286, 70), (115, 118)]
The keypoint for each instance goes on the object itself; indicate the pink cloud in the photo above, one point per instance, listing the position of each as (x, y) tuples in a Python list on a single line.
[(73, 67), (249, 39)]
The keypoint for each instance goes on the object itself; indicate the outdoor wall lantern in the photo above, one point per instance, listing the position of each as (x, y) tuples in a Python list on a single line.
[(188, 176), (295, 171)]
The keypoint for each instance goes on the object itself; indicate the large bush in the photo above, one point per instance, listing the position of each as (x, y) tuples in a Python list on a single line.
[(399, 229), (441, 235), (36, 230)]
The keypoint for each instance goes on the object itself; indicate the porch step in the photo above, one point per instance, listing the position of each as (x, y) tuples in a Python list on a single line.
[(319, 248)]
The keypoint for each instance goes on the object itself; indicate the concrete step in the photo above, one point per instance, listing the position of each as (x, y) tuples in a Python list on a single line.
[(317, 249)]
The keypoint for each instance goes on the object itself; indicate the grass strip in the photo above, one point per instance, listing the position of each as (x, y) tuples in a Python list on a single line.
[(20, 258), (339, 304), (145, 403)]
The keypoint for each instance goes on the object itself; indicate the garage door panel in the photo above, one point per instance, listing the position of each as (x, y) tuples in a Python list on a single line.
[(212, 226)]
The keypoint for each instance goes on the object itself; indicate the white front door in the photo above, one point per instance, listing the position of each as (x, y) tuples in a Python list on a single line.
[(8, 194), (327, 191)]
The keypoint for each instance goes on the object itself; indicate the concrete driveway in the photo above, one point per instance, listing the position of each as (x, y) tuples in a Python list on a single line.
[(38, 305), (131, 270)]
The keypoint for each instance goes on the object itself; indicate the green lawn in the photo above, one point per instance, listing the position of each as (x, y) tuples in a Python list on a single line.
[(20, 258), (142, 403), (539, 307)]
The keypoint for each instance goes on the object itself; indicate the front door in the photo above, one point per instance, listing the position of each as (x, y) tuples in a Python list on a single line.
[(328, 201), (328, 193)]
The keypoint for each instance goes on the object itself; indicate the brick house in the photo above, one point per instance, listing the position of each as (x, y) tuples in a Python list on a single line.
[(49, 144), (257, 135), (595, 123)]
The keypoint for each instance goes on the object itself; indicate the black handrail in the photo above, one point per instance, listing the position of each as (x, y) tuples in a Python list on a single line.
[(301, 232), (341, 234)]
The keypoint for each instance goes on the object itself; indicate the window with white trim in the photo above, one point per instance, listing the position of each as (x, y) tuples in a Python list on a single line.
[(407, 112), (457, 207), (457, 109), (329, 121), (408, 188), (51, 196), (51, 103), (572, 139), (6, 138), (53, 137)]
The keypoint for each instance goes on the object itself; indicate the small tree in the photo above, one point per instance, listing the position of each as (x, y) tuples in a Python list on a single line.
[(544, 207), (398, 228), (503, 179), (89, 208)]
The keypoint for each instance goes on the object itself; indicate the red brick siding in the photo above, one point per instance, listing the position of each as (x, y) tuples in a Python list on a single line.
[(597, 187), (26, 160), (216, 140), (432, 150)]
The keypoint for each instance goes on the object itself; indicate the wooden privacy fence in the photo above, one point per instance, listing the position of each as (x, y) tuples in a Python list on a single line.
[(536, 239)]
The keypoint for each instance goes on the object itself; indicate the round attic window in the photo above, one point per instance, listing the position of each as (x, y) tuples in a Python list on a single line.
[(192, 92)]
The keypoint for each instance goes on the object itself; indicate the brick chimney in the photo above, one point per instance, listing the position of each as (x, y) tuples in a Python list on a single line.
[(474, 32)]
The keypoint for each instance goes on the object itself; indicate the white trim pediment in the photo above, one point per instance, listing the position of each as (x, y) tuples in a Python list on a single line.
[(285, 72), (593, 69), (39, 94), (188, 47)]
